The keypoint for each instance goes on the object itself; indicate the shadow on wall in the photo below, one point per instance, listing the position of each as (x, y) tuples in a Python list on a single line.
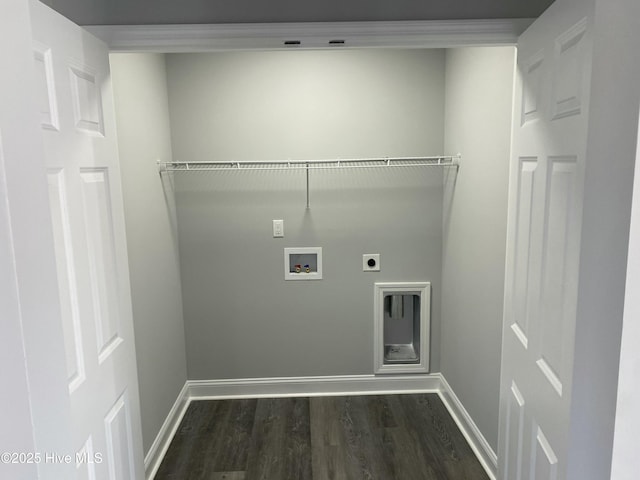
[(450, 176), (168, 189)]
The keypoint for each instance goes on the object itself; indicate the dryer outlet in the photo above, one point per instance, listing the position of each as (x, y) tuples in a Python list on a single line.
[(371, 262)]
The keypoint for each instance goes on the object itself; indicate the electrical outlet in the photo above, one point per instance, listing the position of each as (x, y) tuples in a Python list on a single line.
[(371, 262), (278, 228)]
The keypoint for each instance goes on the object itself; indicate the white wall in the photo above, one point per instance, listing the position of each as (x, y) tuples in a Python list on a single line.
[(626, 462), (241, 318), (142, 115), (479, 89)]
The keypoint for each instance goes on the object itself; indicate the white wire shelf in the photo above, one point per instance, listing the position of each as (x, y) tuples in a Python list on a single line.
[(307, 165), (380, 162)]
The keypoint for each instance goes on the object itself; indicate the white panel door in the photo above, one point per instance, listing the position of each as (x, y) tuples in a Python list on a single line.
[(543, 243), (77, 119)]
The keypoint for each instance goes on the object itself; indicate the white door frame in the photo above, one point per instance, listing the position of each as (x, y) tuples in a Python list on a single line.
[(252, 37), (611, 52), (588, 453), (262, 36)]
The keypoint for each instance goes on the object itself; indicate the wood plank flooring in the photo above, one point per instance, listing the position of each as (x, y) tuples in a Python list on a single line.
[(372, 437)]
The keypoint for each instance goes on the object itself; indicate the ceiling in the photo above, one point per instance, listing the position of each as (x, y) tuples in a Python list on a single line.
[(141, 12)]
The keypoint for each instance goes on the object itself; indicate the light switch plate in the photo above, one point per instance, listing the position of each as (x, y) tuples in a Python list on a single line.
[(278, 228), (371, 262)]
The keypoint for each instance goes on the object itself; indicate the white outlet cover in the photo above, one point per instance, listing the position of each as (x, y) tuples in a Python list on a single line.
[(278, 228), (365, 262)]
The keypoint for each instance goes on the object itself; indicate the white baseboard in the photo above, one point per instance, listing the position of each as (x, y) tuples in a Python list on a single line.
[(153, 458), (487, 457), (312, 386), (319, 386)]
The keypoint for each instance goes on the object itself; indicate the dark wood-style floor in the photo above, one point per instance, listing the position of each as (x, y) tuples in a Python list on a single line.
[(377, 437)]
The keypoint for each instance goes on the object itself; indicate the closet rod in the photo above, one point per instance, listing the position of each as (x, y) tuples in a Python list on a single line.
[(376, 162)]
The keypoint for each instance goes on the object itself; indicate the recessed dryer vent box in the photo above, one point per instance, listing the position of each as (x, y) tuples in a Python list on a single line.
[(401, 330), (303, 263)]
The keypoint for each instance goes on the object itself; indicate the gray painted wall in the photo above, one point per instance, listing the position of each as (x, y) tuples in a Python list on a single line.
[(196, 11), (82, 12), (305, 104), (95, 12), (241, 318), (142, 115), (479, 89)]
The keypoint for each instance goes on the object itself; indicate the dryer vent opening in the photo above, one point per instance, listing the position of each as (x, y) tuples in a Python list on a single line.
[(402, 327)]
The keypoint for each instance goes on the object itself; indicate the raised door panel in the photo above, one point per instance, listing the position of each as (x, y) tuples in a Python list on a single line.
[(87, 99), (532, 88), (525, 267), (87, 460), (45, 87), (568, 85), (67, 278), (544, 462), (101, 255), (559, 266), (119, 441), (514, 432)]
